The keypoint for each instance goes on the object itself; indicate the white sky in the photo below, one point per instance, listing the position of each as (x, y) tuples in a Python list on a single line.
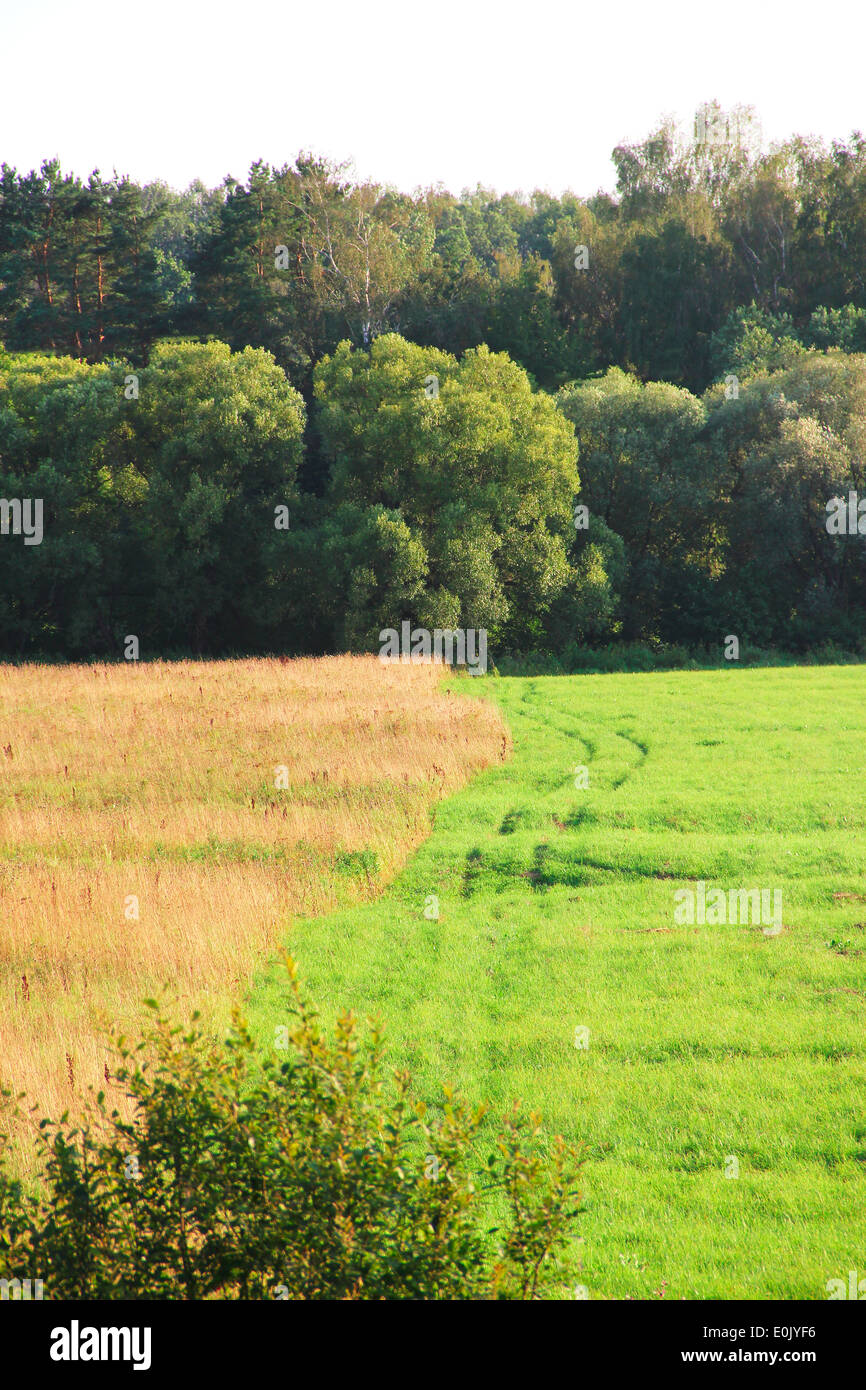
[(515, 96)]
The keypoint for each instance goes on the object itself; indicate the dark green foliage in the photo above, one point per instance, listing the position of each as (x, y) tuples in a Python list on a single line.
[(312, 1175), (645, 476), (705, 516), (754, 340), (721, 502), (699, 231), (713, 263), (452, 509), (789, 443), (159, 510)]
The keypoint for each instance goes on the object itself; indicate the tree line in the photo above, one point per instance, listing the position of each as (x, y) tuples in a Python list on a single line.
[(457, 496), (698, 228), (290, 412)]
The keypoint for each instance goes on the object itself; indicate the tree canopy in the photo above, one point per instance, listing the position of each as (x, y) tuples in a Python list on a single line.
[(296, 409)]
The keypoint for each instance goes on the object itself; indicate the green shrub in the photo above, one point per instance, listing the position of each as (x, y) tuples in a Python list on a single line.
[(309, 1177)]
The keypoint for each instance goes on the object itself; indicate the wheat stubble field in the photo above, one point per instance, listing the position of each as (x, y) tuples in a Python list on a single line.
[(159, 824)]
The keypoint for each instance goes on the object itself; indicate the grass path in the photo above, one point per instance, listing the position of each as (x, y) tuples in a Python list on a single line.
[(711, 1049)]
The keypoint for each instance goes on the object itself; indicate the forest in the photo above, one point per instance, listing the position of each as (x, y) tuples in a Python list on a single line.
[(285, 413)]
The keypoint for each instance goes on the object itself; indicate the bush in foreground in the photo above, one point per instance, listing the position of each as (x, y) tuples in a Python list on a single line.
[(314, 1177)]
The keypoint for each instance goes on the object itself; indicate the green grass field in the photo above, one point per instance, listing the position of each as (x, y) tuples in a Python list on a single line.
[(707, 1044)]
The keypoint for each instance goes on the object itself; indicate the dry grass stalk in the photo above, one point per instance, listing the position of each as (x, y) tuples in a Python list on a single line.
[(144, 841)]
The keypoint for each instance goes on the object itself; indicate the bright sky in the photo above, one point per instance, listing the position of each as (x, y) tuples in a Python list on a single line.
[(512, 95)]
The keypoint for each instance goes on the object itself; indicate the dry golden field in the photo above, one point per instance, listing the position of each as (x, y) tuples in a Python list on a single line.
[(163, 823)]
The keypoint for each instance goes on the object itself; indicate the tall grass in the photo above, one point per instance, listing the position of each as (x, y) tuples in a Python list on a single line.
[(144, 839)]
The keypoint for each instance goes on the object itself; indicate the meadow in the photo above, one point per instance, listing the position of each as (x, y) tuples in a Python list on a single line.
[(159, 823), (489, 866), (715, 1073)]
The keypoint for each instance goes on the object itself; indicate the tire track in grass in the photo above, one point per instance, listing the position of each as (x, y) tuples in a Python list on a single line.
[(556, 911)]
